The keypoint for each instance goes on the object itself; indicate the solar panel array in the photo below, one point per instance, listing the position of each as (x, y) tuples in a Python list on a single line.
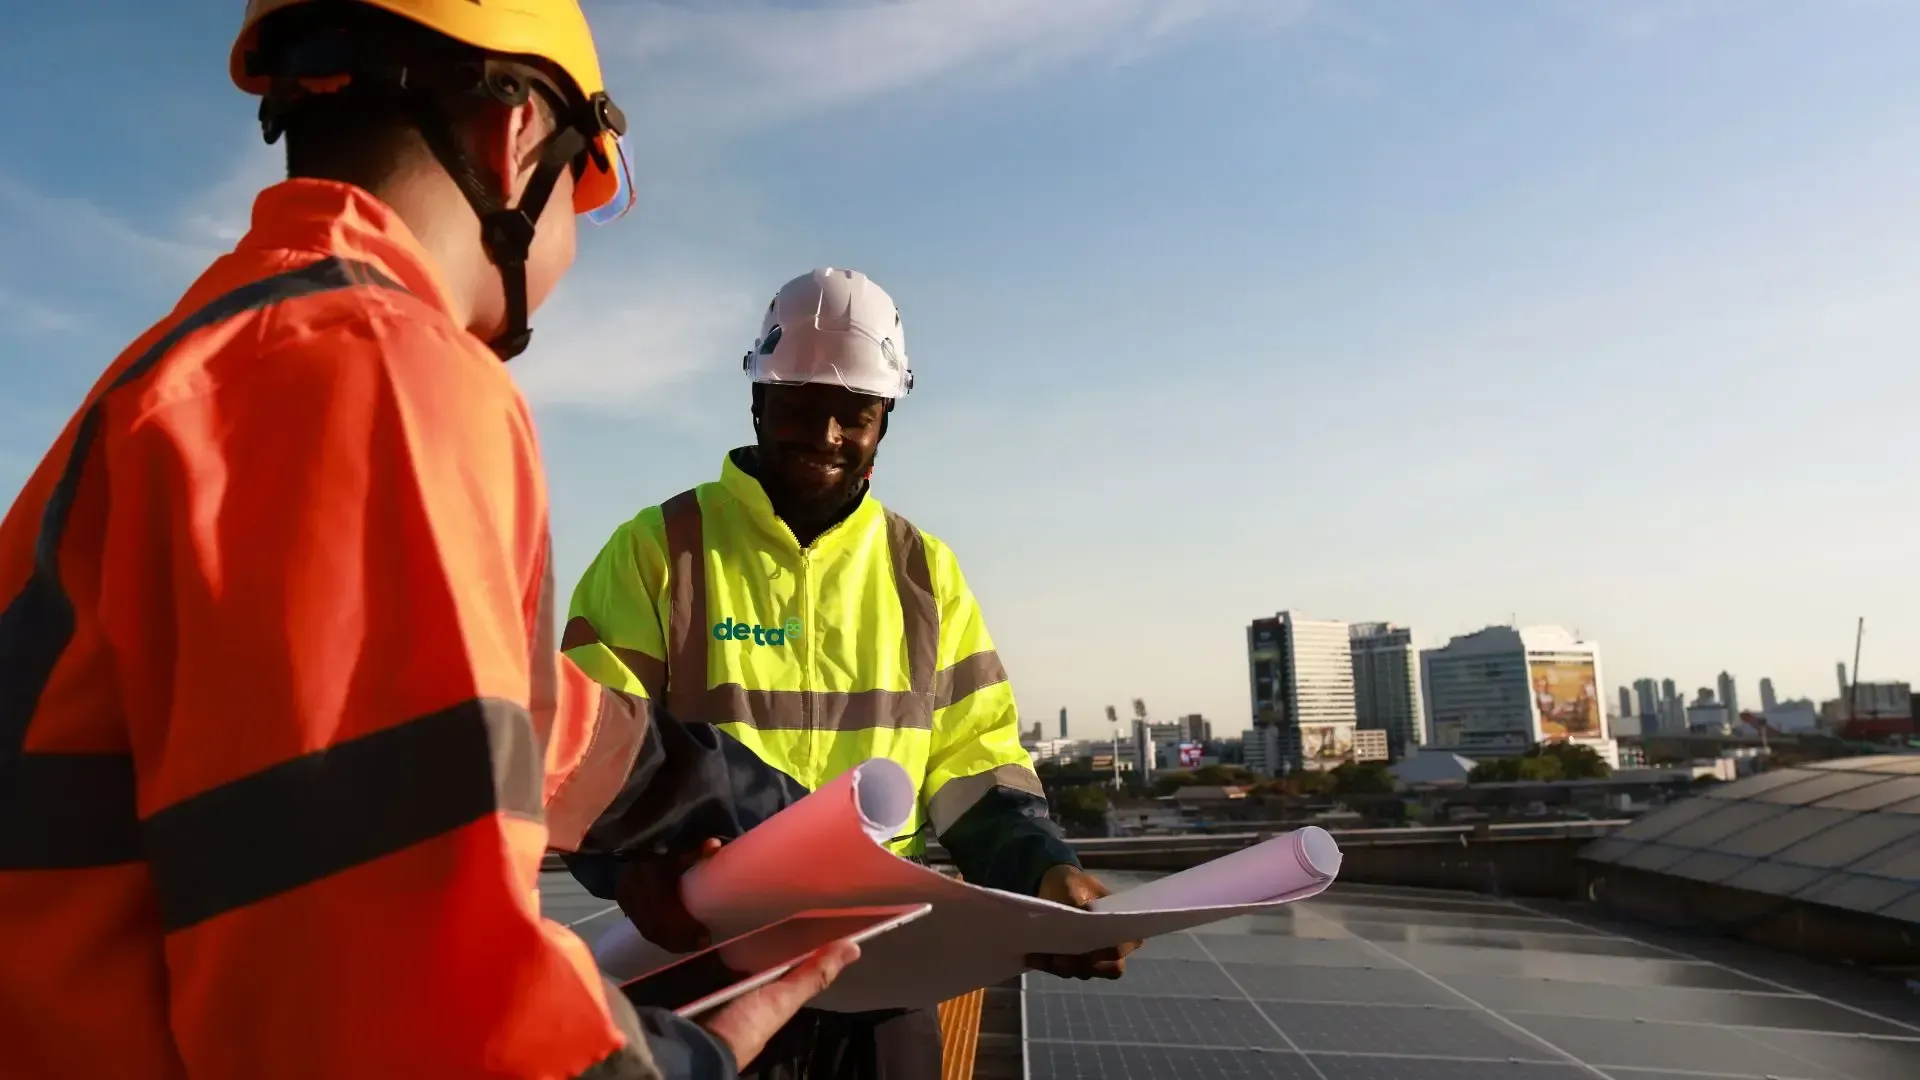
[(1845, 834), (1373, 983)]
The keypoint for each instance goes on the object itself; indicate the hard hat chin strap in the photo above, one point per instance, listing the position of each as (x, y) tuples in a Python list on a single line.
[(506, 232)]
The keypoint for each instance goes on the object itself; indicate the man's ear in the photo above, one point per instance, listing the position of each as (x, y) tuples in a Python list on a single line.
[(512, 137)]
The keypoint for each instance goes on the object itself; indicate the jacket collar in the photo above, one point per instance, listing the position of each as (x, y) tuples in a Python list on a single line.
[(753, 499), (325, 217)]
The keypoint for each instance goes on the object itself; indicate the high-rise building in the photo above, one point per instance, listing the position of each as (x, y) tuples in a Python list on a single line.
[(1840, 670), (1729, 696), (1673, 708), (1768, 702), (1301, 675), (1498, 691), (1708, 716), (1260, 750), (1386, 685), (1196, 728), (1063, 722), (1647, 696), (1626, 705)]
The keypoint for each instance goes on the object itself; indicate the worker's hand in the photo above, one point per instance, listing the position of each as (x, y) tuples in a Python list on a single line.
[(746, 1023), (649, 896), (1074, 887)]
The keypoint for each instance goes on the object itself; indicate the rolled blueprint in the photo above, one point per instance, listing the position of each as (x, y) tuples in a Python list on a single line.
[(1282, 868), (804, 853)]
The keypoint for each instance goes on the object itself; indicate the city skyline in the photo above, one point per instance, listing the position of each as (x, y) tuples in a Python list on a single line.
[(1818, 688)]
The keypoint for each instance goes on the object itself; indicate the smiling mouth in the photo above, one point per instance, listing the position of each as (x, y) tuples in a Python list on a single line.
[(819, 467)]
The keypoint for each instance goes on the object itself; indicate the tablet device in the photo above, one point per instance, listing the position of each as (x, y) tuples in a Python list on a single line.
[(714, 976)]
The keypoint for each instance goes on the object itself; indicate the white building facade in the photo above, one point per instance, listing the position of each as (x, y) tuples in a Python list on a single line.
[(1499, 691), (1300, 674)]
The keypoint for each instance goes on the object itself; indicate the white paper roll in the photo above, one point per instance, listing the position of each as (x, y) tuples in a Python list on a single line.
[(1304, 859)]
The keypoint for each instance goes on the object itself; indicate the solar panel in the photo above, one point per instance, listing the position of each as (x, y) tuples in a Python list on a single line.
[(1150, 977), (1395, 1068), (1679, 1047), (1068, 1061), (1515, 994), (1462, 1032), (1115, 1018), (1268, 983)]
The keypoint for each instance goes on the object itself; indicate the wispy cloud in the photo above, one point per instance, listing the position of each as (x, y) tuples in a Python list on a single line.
[(220, 214), (696, 76), (615, 344), (700, 75), (712, 66), (81, 225), (35, 316)]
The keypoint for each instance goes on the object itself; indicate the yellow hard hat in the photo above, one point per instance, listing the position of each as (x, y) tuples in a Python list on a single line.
[(555, 31)]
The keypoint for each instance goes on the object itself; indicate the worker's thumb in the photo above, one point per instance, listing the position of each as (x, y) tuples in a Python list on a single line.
[(816, 974), (745, 1025)]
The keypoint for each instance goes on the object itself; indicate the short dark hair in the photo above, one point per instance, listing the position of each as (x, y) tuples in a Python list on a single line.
[(368, 131)]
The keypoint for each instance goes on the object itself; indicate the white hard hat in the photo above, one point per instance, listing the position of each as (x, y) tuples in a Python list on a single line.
[(835, 327)]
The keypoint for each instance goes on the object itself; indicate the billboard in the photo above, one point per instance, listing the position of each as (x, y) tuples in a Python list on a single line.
[(1190, 755), (1326, 746), (1566, 698)]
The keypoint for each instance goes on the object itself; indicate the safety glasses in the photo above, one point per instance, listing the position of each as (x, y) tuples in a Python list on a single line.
[(603, 180)]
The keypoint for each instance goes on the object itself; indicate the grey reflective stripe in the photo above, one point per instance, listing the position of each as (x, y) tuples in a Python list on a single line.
[(620, 726), (687, 607), (967, 677), (651, 671), (63, 811), (958, 795), (919, 611), (690, 697), (322, 813), (787, 710)]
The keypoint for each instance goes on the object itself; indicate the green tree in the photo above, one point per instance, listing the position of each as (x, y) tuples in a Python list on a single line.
[(1541, 769), (1167, 783), (1545, 762), (1504, 770), (1223, 775), (1577, 762), (1083, 806), (1362, 778)]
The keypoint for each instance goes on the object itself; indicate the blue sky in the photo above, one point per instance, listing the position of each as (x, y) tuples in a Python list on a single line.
[(1592, 313)]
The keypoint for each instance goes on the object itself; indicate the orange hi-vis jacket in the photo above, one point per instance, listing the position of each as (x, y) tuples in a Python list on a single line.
[(283, 730)]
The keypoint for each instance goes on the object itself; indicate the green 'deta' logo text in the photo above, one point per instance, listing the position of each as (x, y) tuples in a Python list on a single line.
[(728, 630)]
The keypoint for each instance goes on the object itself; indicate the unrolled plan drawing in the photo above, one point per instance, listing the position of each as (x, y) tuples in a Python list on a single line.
[(829, 850)]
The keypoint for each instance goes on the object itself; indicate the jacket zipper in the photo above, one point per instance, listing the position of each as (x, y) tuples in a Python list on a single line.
[(807, 632)]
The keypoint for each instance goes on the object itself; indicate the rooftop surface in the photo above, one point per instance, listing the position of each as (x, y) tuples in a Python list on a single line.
[(1376, 983), (1843, 834)]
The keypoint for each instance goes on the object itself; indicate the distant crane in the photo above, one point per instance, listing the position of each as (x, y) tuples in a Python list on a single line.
[(1853, 691)]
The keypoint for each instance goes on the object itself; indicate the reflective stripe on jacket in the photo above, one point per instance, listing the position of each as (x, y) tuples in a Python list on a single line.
[(866, 644), (282, 724)]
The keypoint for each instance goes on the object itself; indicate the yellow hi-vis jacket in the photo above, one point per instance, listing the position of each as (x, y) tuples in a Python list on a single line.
[(868, 643)]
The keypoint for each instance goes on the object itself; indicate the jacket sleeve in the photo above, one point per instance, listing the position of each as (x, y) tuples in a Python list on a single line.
[(340, 769), (697, 781), (982, 797)]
